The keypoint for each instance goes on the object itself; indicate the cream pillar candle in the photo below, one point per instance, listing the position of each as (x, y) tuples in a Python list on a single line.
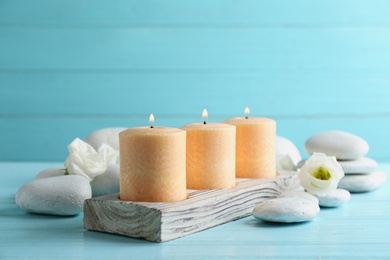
[(210, 155), (153, 164), (255, 146)]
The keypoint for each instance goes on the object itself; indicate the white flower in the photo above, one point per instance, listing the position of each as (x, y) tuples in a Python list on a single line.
[(284, 162), (109, 154), (320, 174), (285, 147), (83, 160)]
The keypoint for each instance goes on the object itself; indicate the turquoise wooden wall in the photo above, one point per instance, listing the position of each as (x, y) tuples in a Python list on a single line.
[(69, 67)]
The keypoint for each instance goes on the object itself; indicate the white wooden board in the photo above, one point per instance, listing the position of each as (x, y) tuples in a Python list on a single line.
[(160, 222)]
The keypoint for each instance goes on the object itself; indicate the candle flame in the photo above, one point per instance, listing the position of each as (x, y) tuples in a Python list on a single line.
[(151, 118), (205, 114), (247, 111)]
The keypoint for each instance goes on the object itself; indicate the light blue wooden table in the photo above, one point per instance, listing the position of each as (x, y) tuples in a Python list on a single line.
[(359, 229)]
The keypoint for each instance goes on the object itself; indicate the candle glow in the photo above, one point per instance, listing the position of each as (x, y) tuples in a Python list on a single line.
[(247, 111), (205, 114), (151, 118)]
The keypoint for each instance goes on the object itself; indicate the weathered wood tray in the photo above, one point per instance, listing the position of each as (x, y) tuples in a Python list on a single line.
[(160, 222)]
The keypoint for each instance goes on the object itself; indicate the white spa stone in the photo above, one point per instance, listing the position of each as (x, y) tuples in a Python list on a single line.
[(343, 145), (298, 194), (335, 198), (106, 183), (362, 165), (109, 136), (60, 195), (286, 210), (287, 154), (362, 182), (50, 172)]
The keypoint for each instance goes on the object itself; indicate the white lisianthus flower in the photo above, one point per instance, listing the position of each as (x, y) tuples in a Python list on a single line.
[(287, 154), (320, 174), (284, 162), (83, 160), (109, 154)]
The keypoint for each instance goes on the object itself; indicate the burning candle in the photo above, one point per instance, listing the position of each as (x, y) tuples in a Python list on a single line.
[(153, 164), (255, 146), (210, 155)]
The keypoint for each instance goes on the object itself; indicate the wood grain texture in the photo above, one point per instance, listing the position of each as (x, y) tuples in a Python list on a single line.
[(161, 222), (286, 93), (194, 49), (70, 67), (282, 13)]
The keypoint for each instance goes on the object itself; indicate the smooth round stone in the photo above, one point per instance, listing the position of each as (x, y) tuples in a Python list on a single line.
[(106, 183), (343, 145), (362, 183), (362, 165), (335, 199), (286, 210), (61, 195), (298, 194), (287, 154), (50, 172), (109, 136)]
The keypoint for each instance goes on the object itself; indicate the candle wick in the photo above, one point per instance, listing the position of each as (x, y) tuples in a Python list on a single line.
[(151, 126), (204, 122), (246, 117)]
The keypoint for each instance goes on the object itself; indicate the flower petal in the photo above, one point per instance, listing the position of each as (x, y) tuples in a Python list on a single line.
[(83, 160), (109, 154), (317, 186)]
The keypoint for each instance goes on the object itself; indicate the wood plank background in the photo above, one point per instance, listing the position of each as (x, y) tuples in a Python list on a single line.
[(70, 67)]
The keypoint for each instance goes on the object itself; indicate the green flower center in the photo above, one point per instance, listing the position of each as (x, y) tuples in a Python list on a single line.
[(321, 173)]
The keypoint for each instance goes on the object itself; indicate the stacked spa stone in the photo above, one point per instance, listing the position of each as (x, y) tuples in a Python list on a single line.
[(361, 173)]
